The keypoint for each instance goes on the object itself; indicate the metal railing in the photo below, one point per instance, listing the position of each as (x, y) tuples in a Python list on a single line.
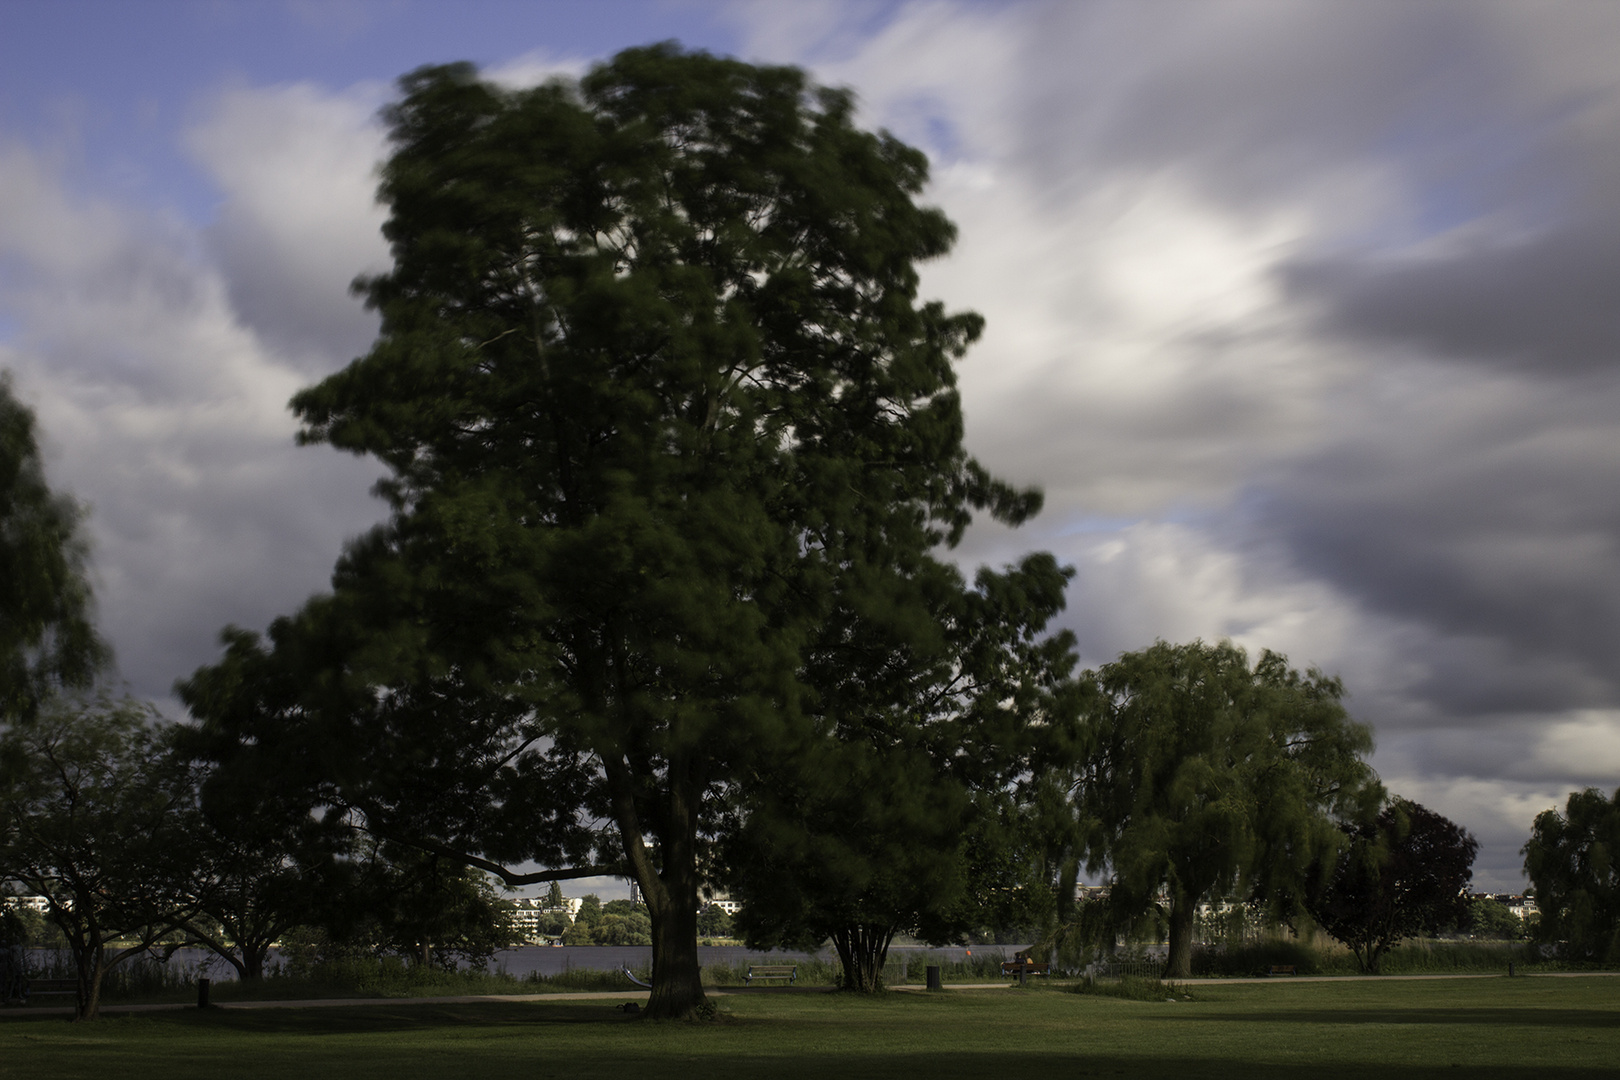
[(1121, 969)]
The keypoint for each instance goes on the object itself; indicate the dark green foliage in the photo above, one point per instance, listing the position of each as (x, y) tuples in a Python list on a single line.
[(713, 922), (1573, 860), (590, 910), (1258, 958), (47, 642), (98, 819), (271, 861), (1402, 874), (900, 816), (656, 397), (1493, 920), (1205, 774), (1132, 988), (428, 908), (618, 922)]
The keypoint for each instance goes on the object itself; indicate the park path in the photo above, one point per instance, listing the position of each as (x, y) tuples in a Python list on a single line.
[(639, 995)]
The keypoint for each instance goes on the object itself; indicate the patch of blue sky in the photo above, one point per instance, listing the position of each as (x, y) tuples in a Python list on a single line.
[(107, 88), (1461, 173)]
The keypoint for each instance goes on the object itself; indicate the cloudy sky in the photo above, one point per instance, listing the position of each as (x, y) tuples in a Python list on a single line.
[(1306, 316)]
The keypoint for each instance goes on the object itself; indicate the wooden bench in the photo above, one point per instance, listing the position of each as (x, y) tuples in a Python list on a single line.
[(1024, 967), (49, 986), (787, 972), (1281, 969)]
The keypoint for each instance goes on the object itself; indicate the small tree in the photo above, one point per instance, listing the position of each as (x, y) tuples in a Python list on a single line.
[(432, 909), (1404, 873), (1573, 860), (1494, 920), (714, 922), (97, 821), (269, 860), (897, 817), (47, 642)]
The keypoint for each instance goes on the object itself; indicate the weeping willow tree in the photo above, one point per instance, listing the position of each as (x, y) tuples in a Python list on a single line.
[(1206, 775)]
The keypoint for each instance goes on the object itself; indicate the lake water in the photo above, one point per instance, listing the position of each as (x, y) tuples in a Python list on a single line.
[(554, 961)]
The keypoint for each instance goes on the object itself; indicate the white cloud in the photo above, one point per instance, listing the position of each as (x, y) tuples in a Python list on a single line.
[(167, 416), (298, 220)]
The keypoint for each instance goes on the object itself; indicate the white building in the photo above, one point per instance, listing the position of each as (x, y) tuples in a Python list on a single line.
[(30, 903)]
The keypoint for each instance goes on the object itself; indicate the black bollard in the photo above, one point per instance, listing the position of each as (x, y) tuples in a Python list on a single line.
[(1510, 969), (934, 981), (202, 993)]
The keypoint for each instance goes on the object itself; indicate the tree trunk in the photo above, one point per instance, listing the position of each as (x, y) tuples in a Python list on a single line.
[(251, 969), (1068, 887), (862, 951), (677, 979), (88, 961), (1178, 965), (670, 892)]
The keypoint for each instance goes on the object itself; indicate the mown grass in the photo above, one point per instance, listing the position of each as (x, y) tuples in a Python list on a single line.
[(1492, 1028)]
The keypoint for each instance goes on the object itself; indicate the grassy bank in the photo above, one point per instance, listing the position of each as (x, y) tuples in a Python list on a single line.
[(1491, 1028), (1415, 957)]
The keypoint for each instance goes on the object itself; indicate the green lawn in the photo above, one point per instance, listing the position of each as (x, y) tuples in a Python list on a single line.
[(1541, 1027)]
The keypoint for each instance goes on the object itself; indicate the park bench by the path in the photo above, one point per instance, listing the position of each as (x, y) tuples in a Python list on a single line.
[(1024, 966), (49, 986), (786, 972), (1281, 969)]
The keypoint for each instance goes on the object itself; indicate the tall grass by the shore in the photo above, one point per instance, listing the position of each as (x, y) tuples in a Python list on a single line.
[(1412, 957)]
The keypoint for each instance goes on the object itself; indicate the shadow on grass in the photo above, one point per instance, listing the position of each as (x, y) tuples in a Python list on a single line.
[(541, 1041), (1473, 1016)]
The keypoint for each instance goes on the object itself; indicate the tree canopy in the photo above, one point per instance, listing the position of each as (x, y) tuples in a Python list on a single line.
[(1403, 873), (47, 641), (1573, 860), (657, 397), (96, 818), (901, 814), (1205, 773)]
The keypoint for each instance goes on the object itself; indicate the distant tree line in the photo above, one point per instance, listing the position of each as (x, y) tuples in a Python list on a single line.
[(675, 467)]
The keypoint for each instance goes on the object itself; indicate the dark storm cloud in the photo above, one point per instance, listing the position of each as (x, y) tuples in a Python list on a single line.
[(1492, 524), (1257, 102), (1550, 304)]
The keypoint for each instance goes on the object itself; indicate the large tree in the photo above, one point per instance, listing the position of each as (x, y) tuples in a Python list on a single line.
[(1573, 860), (47, 641), (652, 382), (1405, 872), (1205, 773)]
